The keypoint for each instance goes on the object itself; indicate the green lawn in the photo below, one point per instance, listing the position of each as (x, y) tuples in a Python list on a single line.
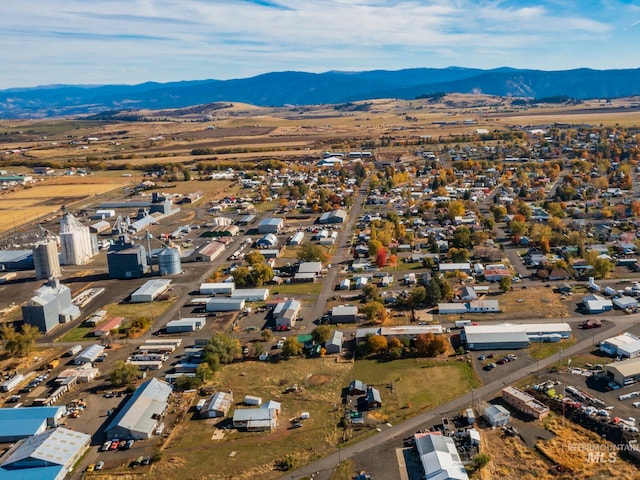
[(297, 289), (77, 334), (538, 351)]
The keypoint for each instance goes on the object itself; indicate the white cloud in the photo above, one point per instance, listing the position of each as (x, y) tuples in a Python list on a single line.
[(129, 41)]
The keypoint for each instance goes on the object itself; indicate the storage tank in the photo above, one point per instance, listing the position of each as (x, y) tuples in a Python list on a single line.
[(46, 260), (169, 261)]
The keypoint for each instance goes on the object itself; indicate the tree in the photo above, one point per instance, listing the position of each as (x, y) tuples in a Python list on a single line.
[(517, 228), (226, 348), (461, 237), (242, 277), (505, 284), (291, 348), (10, 339), (254, 258), (204, 372), (377, 343), (481, 460), (266, 335), (459, 255), (261, 274), (374, 247), (431, 345), (371, 292), (312, 253), (602, 267), (321, 334), (374, 312), (19, 343), (29, 336), (455, 209), (124, 373), (381, 257)]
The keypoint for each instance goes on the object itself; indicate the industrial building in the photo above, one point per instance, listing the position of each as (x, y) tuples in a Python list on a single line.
[(344, 314), (439, 457), (19, 423), (335, 216), (50, 306), (270, 225), (76, 245), (49, 455), (223, 304), (185, 325), (596, 304), (150, 290), (89, 354), (524, 402), (225, 288), (296, 239), (286, 313), (209, 252), (141, 414), (128, 263), (625, 372), (46, 260), (16, 260), (251, 294), (623, 345), (512, 336), (217, 405)]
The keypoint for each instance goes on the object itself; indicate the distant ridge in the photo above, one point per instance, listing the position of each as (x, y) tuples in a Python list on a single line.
[(301, 88)]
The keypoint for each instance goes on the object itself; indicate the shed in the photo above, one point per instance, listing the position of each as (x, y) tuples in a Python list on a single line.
[(223, 288), (251, 294), (357, 387), (373, 398), (217, 405), (222, 304), (185, 325), (334, 344)]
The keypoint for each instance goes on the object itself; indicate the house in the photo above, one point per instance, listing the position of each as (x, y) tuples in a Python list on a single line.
[(141, 414), (107, 327), (483, 306), (496, 274), (558, 274), (596, 304), (468, 293), (455, 267), (373, 398), (439, 457), (217, 405), (357, 387), (497, 415), (334, 344)]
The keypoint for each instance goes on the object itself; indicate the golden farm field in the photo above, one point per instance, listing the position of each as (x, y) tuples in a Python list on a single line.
[(28, 204)]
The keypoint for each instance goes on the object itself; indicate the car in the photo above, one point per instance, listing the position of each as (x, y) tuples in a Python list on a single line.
[(106, 446), (490, 355), (146, 461), (91, 468), (129, 444), (502, 361), (280, 344), (109, 395), (114, 444), (122, 444), (245, 350), (296, 425), (99, 465), (481, 358), (489, 366)]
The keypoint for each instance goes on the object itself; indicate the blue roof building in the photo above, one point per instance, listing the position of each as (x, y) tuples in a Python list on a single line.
[(19, 423)]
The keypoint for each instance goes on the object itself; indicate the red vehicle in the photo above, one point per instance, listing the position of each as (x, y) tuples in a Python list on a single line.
[(591, 323)]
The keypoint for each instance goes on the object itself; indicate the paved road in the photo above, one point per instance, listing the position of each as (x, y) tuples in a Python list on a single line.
[(322, 469), (342, 253)]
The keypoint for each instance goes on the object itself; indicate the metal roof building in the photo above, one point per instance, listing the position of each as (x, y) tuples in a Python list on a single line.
[(251, 294), (344, 314), (185, 325), (16, 259), (89, 354), (46, 456), (335, 216), (223, 304), (150, 290), (271, 225), (439, 457), (19, 423), (139, 417), (625, 372), (495, 340), (218, 405)]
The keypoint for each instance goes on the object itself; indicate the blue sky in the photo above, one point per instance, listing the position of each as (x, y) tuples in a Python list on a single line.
[(133, 41)]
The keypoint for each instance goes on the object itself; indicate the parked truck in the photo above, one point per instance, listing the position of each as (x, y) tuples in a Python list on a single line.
[(591, 323), (76, 349)]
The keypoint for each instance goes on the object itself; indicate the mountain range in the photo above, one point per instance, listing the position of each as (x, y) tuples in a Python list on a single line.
[(300, 88)]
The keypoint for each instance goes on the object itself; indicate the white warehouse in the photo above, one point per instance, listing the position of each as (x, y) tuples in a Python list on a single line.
[(150, 290), (223, 304)]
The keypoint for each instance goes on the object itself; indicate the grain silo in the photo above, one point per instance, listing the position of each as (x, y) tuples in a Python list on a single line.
[(75, 241), (169, 261), (46, 260)]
